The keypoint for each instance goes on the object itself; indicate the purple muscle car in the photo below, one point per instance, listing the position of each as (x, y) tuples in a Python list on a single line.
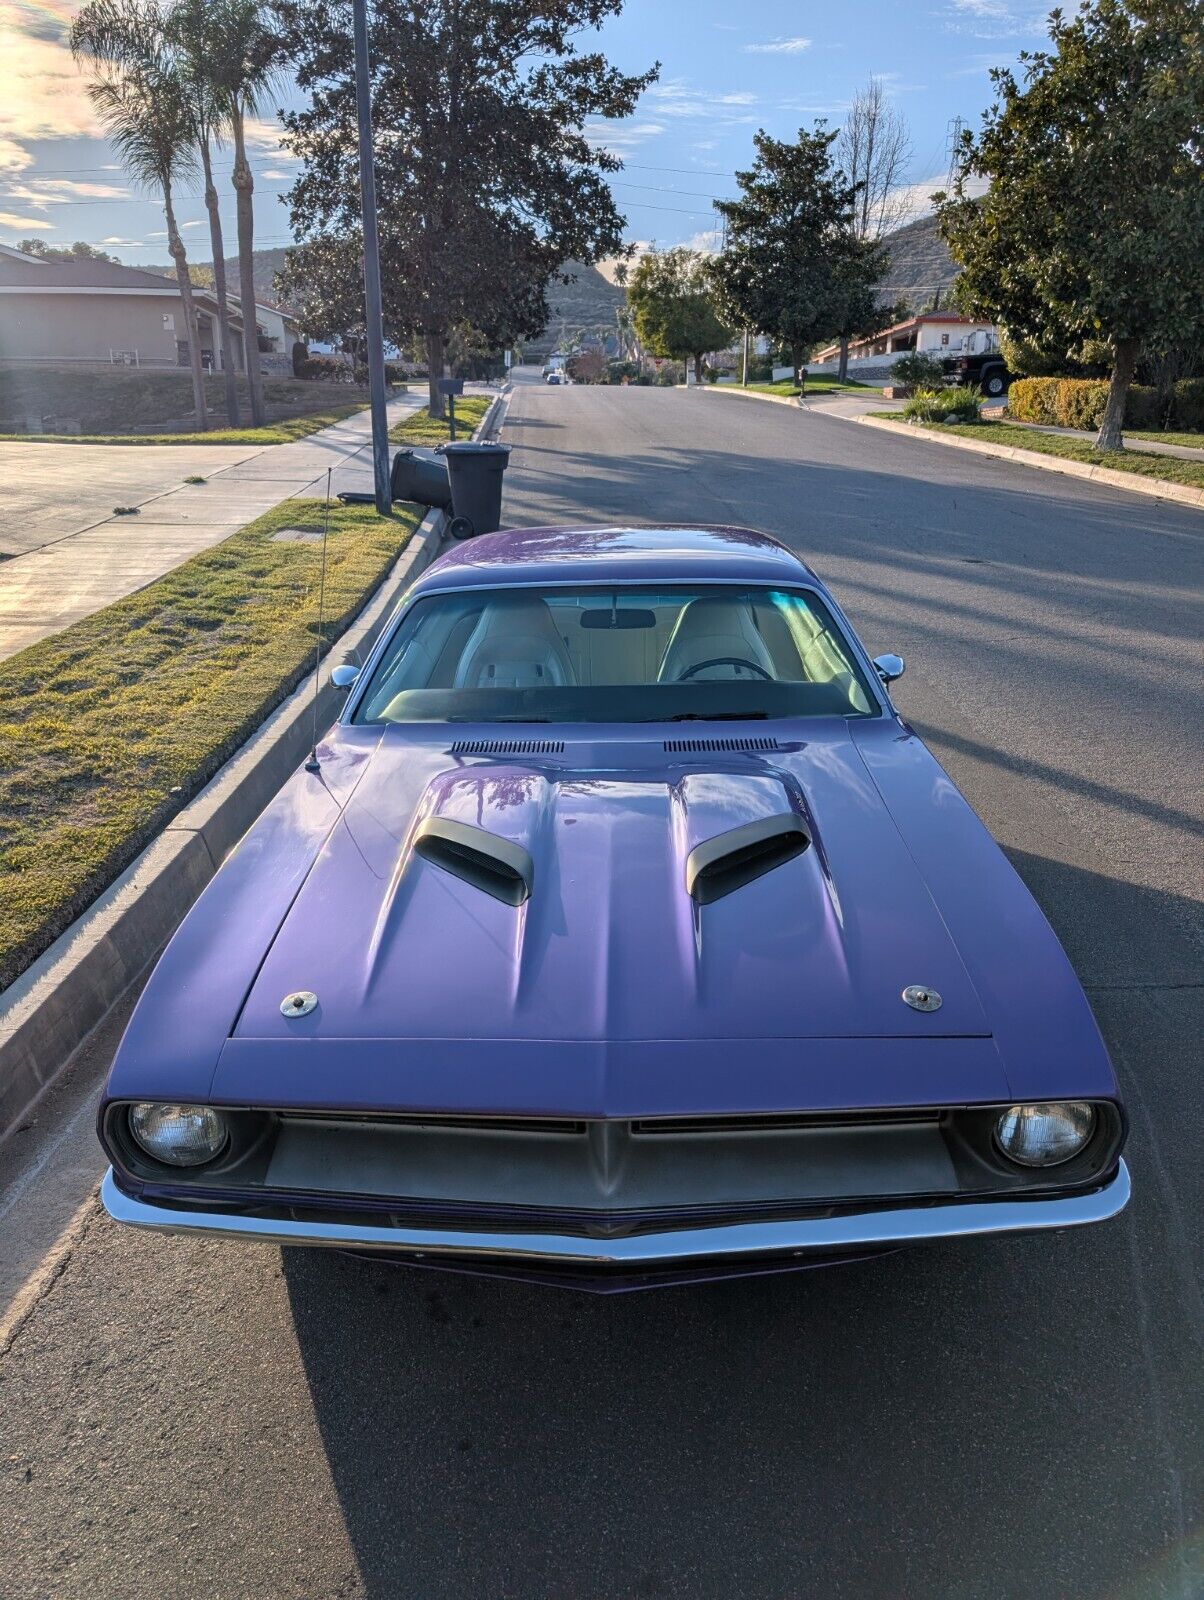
[(624, 934)]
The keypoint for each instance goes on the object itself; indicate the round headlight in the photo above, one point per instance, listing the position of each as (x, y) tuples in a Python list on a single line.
[(1044, 1135), (179, 1136)]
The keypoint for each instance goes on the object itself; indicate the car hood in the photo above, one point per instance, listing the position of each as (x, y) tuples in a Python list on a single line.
[(609, 945)]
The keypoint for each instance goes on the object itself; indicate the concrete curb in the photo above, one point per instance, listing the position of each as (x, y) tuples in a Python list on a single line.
[(750, 394), (52, 1008), (1152, 488)]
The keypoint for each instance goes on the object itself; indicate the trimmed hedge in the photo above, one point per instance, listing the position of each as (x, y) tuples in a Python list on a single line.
[(1080, 402)]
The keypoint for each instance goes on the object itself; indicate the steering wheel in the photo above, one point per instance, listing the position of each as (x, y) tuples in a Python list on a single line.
[(726, 661)]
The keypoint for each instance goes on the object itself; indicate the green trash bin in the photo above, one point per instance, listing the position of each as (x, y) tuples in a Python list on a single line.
[(475, 471)]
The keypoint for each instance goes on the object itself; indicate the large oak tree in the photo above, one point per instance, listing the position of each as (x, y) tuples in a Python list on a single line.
[(1093, 225), (486, 179)]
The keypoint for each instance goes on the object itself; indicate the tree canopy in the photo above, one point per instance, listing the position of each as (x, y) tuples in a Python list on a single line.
[(1093, 223), (486, 179), (793, 264), (672, 307)]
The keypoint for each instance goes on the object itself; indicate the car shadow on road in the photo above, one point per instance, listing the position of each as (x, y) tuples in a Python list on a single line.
[(1016, 1417)]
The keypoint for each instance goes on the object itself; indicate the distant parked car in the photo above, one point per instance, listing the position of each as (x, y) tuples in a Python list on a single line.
[(624, 934), (554, 377), (987, 371)]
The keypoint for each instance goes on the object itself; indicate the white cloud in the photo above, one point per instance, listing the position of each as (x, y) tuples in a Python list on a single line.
[(44, 192), (778, 47), (14, 219), (679, 98), (129, 243), (621, 137), (280, 177), (914, 200), (996, 19)]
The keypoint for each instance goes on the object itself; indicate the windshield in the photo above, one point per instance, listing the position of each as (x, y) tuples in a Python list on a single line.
[(621, 655)]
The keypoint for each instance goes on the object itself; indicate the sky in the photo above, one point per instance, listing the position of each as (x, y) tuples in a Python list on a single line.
[(726, 71)]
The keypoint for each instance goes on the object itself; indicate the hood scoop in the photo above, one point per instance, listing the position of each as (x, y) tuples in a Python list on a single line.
[(730, 860), (497, 866)]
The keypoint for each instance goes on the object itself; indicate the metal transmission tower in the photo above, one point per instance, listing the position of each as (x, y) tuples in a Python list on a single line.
[(953, 141), (374, 318)]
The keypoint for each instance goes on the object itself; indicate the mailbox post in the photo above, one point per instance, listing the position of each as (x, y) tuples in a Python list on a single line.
[(451, 387)]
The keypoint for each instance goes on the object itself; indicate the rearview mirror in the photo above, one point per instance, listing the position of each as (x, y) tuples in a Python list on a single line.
[(889, 667), (344, 677)]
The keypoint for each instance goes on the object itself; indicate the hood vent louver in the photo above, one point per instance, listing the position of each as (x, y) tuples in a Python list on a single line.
[(696, 746), (497, 866), (730, 860), (508, 747)]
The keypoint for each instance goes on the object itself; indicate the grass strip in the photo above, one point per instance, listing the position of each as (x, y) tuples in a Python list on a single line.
[(1167, 469), (420, 428), (791, 391), (109, 727), (282, 432)]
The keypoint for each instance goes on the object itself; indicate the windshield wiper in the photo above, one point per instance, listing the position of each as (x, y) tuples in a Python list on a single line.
[(714, 716)]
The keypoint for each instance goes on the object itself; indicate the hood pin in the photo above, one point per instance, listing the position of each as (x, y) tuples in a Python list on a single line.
[(300, 1003), (921, 998)]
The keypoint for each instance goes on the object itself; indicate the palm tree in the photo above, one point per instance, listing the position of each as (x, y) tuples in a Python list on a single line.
[(139, 96), (194, 28), (243, 70)]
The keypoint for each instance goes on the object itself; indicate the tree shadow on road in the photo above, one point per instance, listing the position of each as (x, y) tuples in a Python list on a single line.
[(970, 1420)]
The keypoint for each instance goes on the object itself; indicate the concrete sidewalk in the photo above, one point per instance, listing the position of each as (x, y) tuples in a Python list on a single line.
[(68, 554), (1149, 447)]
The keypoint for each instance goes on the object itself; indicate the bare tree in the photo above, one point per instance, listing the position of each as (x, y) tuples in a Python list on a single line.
[(872, 150)]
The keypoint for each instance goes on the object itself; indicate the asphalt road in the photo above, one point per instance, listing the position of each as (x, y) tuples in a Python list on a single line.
[(975, 1421)]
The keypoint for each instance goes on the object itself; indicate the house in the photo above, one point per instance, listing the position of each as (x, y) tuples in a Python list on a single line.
[(89, 311), (936, 333)]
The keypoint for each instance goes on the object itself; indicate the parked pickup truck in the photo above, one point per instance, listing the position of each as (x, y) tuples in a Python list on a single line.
[(978, 364)]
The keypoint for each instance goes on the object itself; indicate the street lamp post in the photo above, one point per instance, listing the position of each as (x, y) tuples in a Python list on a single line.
[(375, 321)]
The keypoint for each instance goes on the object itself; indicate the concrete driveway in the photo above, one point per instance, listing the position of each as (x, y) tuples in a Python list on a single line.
[(63, 552)]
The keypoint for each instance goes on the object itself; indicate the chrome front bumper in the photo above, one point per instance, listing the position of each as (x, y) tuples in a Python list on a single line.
[(851, 1232)]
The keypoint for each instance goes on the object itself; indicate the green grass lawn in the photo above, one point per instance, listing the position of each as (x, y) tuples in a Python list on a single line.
[(420, 428), (282, 432), (789, 388), (109, 727), (1168, 469)]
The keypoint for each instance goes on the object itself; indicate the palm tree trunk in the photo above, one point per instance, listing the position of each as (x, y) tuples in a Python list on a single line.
[(229, 363), (1110, 435), (244, 188), (176, 246)]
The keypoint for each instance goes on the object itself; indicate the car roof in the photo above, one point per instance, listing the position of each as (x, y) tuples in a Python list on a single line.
[(665, 553)]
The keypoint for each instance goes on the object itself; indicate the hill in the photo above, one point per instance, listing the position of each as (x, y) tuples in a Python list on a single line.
[(920, 264), (587, 305), (267, 264)]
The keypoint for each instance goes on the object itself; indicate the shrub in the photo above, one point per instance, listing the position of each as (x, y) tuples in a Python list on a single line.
[(917, 371), (1079, 403), (1188, 404), (327, 369), (1034, 400), (943, 405)]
